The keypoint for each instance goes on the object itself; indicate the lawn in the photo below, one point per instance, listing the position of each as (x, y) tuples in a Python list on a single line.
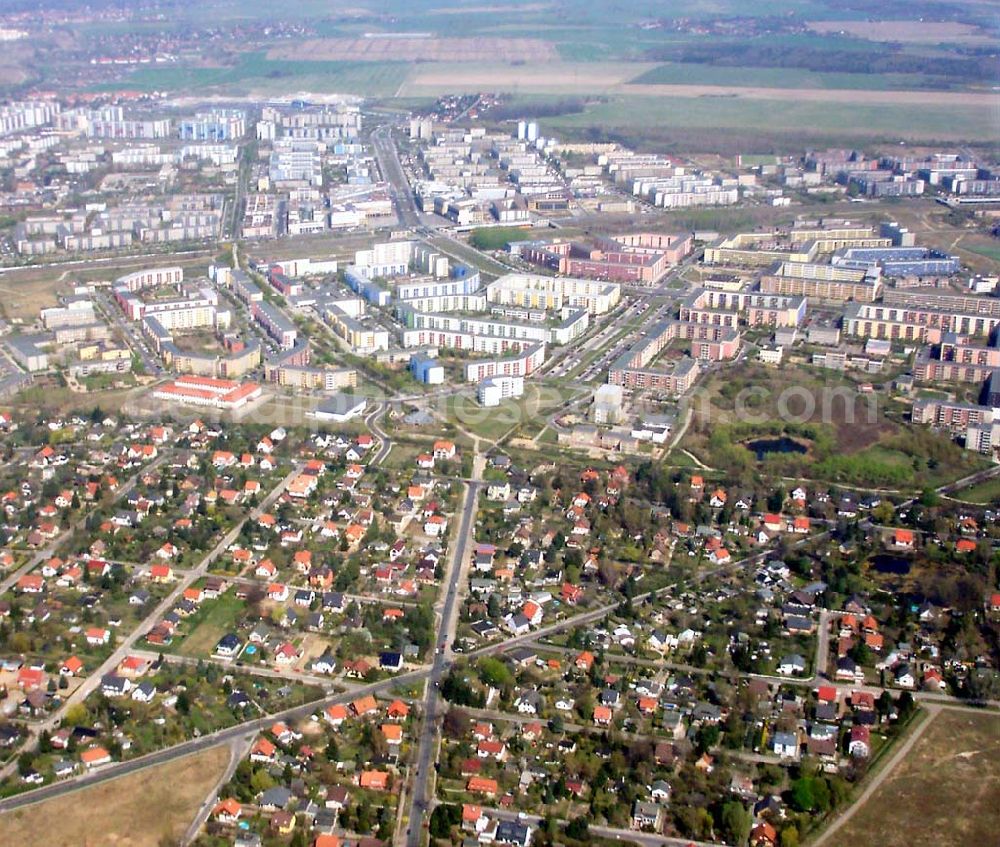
[(525, 413), (986, 493), (945, 793), (990, 251), (145, 809), (206, 626)]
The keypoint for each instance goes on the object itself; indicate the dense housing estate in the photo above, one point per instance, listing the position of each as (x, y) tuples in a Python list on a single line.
[(249, 502)]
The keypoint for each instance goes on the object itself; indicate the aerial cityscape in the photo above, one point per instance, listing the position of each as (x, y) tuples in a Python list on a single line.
[(432, 423)]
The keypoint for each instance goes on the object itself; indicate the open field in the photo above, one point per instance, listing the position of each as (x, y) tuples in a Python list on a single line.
[(637, 115), (685, 80), (945, 793), (679, 73), (46, 395), (986, 101), (24, 291), (530, 411), (254, 74), (906, 32), (141, 810), (987, 493), (403, 48)]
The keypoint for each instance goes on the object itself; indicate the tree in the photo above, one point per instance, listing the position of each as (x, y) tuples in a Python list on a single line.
[(821, 794), (789, 837), (456, 723), (495, 672), (981, 685), (906, 705), (707, 737), (443, 818), (577, 829), (735, 822), (803, 799)]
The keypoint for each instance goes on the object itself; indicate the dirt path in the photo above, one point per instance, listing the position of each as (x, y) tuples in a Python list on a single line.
[(887, 770)]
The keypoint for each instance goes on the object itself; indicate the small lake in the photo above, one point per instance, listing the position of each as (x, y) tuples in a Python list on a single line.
[(760, 447), (886, 563)]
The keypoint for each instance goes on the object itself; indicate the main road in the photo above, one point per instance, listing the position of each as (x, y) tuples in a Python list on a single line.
[(423, 767), (392, 172)]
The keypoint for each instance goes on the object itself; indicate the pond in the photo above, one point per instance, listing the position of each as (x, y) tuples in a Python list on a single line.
[(886, 563), (783, 444)]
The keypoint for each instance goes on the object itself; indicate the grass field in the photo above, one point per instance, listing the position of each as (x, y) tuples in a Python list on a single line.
[(141, 810), (987, 493), (900, 32), (946, 793), (526, 413), (24, 291), (673, 73), (255, 73), (213, 620), (989, 251), (636, 113)]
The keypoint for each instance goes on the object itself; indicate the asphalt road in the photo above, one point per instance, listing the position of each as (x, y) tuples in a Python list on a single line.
[(196, 745), (433, 701), (371, 421), (49, 550), (646, 839), (93, 680), (392, 171)]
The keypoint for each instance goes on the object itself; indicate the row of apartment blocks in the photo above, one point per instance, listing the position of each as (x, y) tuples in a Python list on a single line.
[(708, 342), (241, 357), (180, 218), (977, 425), (957, 359), (150, 278), (802, 242), (521, 364), (292, 369), (660, 181), (534, 291), (756, 309), (642, 258), (914, 322), (329, 123), (573, 323), (821, 282), (364, 337), (271, 319)]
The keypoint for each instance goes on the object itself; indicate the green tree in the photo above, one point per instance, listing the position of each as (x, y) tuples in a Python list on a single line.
[(577, 828), (789, 837), (803, 799), (495, 672), (735, 822)]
